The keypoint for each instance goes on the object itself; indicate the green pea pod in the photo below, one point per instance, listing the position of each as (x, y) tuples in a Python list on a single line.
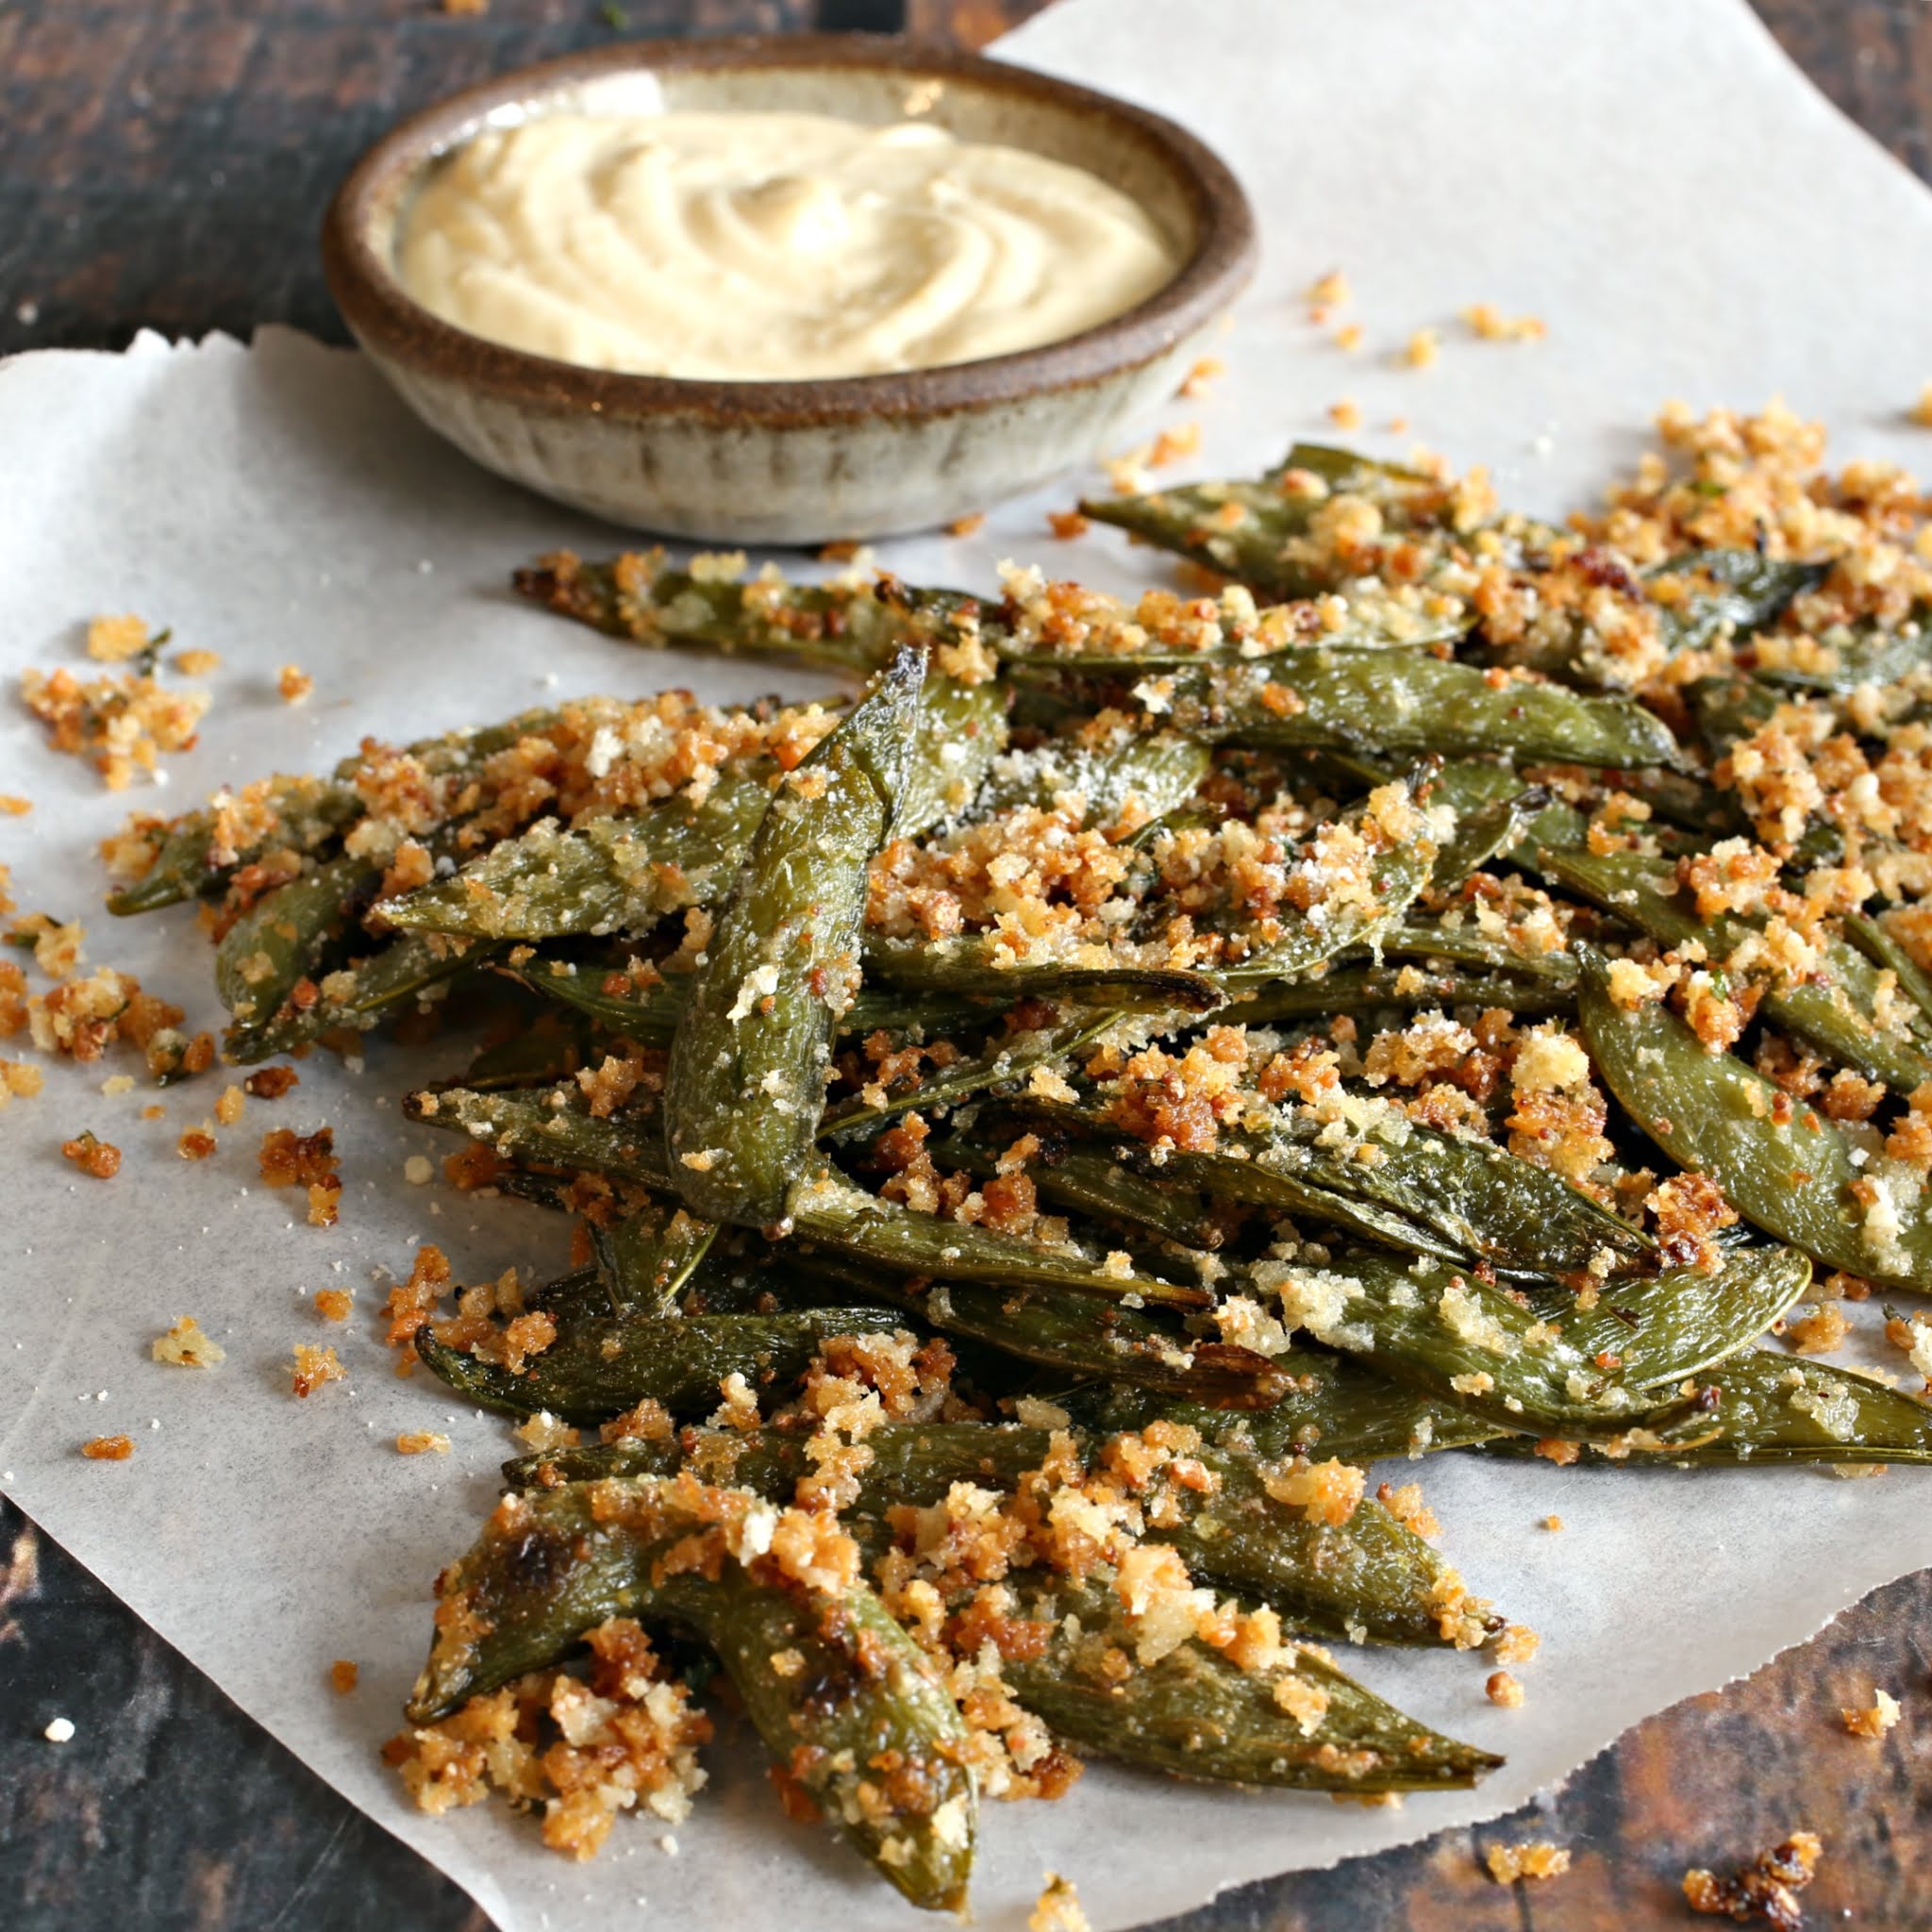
[(1012, 1059), (526, 1127), (307, 813), (286, 936), (1550, 1367), (362, 993), (748, 1061), (968, 967), (1331, 1404), (1730, 708), (550, 1050), (620, 873), (1153, 773), (1370, 1578), (1088, 1181), (1834, 1014), (1469, 945), (461, 751), (1786, 1170), (1853, 655), (962, 732), (600, 1365), (1366, 989), (1764, 1408), (1738, 591), (1399, 1181), (1075, 1334), (647, 1257), (1192, 1713), (550, 1567), (828, 1209), (843, 625), (1881, 945)]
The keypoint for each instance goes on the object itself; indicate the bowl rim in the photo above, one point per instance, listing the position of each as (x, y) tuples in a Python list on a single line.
[(390, 323)]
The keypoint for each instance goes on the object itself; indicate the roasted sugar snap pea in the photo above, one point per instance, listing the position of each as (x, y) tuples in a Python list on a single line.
[(550, 1567), (749, 1059), (286, 937)]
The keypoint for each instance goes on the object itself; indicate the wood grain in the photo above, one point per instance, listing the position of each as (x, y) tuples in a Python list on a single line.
[(164, 163)]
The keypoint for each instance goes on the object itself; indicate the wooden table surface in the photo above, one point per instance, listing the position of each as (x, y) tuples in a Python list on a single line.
[(164, 163)]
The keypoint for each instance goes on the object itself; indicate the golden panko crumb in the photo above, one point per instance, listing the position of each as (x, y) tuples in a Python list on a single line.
[(333, 1304), (1503, 1689), (288, 1159), (1492, 325), (967, 525), (271, 1083), (19, 1080), (196, 1143), (101, 1159), (107, 1448), (1553, 1523), (343, 1675), (1067, 524), (231, 1106), (1348, 337), (1509, 1865), (1517, 1644), (1922, 410), (421, 1443), (122, 719), (13, 806), (1874, 1721), (1346, 414), (295, 684), (197, 663), (115, 639), (1057, 1908), (187, 1347), (1817, 1330), (1332, 291), (1198, 379), (1424, 345), (313, 1367), (1765, 1888)]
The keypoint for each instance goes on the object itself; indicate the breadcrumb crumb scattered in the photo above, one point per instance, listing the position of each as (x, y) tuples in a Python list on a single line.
[(107, 1448), (343, 1675), (1876, 1719), (295, 684), (1503, 1689), (1766, 1888), (333, 1304), (1424, 345), (1346, 414), (101, 1159), (188, 1347), (1057, 1908), (313, 1367), (1509, 1865), (421, 1443)]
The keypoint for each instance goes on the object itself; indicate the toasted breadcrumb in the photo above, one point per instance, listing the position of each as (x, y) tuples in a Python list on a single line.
[(313, 1367), (1067, 524), (122, 721), (15, 807), (1876, 1719), (544, 1431), (288, 1159), (1503, 1689), (18, 1080), (196, 1143), (1766, 1888), (1348, 337), (1331, 290), (107, 1448), (1201, 378), (1509, 1865), (101, 1159), (1922, 410), (230, 1105), (334, 1303), (343, 1676), (1422, 349), (1517, 1644), (293, 684), (1345, 414), (421, 1443), (1553, 1523), (115, 639), (197, 663), (967, 525), (1057, 1908), (271, 1083), (188, 1347), (1492, 325)]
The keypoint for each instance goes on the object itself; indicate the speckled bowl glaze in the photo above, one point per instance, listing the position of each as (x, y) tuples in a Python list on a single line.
[(804, 462)]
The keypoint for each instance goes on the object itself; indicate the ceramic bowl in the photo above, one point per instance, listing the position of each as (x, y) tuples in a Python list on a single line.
[(798, 462)]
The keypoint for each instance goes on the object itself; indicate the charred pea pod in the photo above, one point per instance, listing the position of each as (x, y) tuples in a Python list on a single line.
[(647, 1257), (749, 1059), (550, 1567), (1784, 1167)]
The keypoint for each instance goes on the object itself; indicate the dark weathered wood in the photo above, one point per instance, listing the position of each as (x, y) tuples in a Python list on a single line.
[(164, 163)]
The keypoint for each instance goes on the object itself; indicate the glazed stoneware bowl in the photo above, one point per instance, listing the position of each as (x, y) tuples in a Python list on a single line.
[(798, 462)]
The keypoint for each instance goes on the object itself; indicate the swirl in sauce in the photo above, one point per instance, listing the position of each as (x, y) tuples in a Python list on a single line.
[(770, 248)]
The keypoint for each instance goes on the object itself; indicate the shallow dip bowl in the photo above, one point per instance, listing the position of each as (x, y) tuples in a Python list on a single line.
[(798, 462)]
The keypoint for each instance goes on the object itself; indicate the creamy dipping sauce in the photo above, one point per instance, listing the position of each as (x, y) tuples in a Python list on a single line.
[(770, 248)]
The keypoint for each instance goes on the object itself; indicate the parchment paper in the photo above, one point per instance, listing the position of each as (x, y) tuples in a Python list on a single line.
[(1651, 179)]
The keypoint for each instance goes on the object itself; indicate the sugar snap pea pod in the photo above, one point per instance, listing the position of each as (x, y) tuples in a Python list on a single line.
[(968, 967), (1469, 945), (601, 1365), (1834, 1013), (1365, 989), (1010, 1059), (1192, 1713), (1785, 1169), (1331, 1404), (1706, 592), (1552, 1367), (604, 874), (961, 730), (1076, 1335), (307, 812), (1880, 945), (846, 625), (1410, 702), (1846, 657), (648, 1013), (1730, 708), (286, 935), (551, 1050), (1153, 773), (457, 751), (1370, 1577), (1090, 1182), (1251, 530), (746, 1083), (360, 993), (828, 1210), (526, 1127), (1399, 1181), (647, 1257), (549, 1567)]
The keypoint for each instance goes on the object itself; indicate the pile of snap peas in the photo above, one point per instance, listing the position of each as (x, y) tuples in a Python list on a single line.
[(1460, 1295)]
